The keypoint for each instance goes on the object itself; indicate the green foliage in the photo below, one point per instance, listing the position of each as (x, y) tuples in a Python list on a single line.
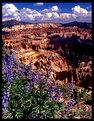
[(62, 87), (81, 94), (22, 105), (4, 84), (39, 100)]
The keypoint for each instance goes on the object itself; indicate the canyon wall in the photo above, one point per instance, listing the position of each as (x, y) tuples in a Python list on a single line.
[(50, 44)]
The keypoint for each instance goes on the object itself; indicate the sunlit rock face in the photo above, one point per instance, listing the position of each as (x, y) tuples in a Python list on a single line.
[(49, 44)]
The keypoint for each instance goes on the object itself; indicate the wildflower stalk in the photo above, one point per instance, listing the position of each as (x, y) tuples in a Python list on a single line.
[(72, 102)]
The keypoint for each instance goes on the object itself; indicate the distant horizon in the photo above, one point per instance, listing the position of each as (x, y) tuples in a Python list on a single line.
[(48, 22), (47, 12)]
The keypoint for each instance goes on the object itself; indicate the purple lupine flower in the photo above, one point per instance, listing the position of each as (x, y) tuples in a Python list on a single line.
[(9, 75), (49, 72), (9, 60), (29, 74), (15, 74), (41, 78), (3, 58), (12, 60), (69, 106), (57, 95), (34, 116), (8, 68), (51, 90), (22, 71), (24, 67), (53, 83), (30, 65), (34, 77), (70, 89), (26, 87), (72, 102), (18, 65), (45, 113), (5, 67), (8, 64), (4, 64), (67, 113), (29, 69), (5, 100)]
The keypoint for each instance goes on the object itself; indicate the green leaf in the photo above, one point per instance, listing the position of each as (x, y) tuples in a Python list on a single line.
[(56, 107), (46, 106), (13, 109), (43, 111), (41, 117), (80, 90)]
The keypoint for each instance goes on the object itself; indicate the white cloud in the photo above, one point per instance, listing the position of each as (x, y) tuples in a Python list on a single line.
[(79, 11), (10, 12), (82, 15), (65, 15), (29, 15), (50, 17), (55, 15), (52, 14), (38, 4), (9, 7), (52, 9)]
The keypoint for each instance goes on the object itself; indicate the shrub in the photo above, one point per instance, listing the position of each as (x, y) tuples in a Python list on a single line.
[(27, 94), (29, 101), (81, 95)]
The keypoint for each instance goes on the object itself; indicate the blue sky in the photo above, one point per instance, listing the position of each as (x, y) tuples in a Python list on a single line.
[(48, 12)]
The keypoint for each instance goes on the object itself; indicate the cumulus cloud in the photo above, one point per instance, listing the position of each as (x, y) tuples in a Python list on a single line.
[(77, 10), (52, 14), (29, 15), (82, 15), (67, 17), (52, 9), (55, 8), (50, 17), (9, 9), (38, 4), (9, 12)]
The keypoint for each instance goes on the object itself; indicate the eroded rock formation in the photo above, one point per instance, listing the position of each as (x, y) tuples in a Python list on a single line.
[(47, 44)]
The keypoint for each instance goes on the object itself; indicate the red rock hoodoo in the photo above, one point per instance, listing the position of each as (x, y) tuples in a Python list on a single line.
[(46, 44)]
